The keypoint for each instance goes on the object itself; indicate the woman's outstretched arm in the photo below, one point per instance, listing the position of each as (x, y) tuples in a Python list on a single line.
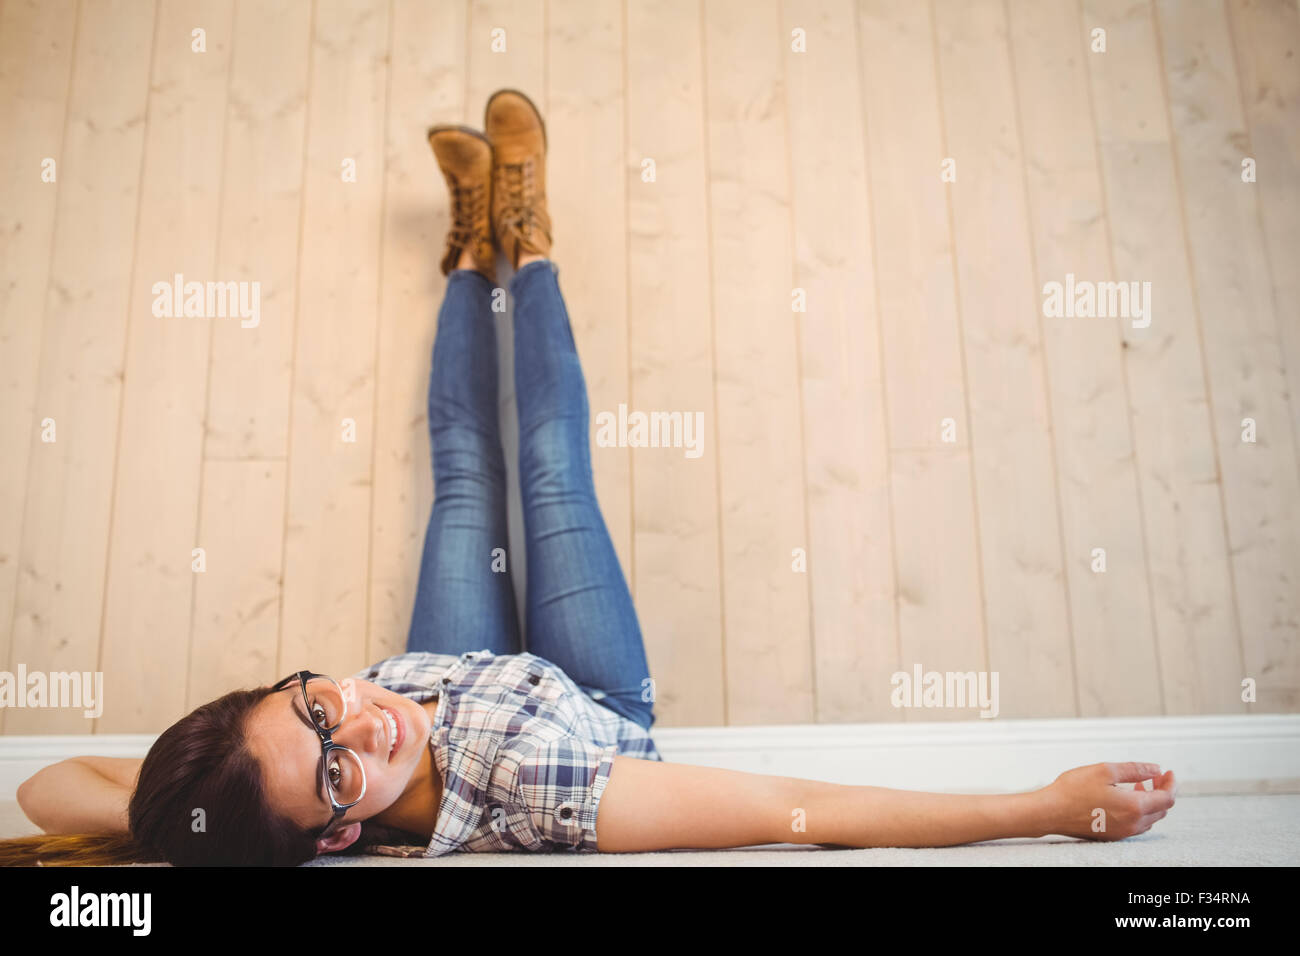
[(648, 805)]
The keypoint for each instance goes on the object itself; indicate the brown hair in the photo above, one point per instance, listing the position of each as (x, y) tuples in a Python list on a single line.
[(201, 761)]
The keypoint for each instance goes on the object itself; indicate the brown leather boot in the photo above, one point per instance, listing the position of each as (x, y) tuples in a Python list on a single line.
[(465, 157), (520, 219)]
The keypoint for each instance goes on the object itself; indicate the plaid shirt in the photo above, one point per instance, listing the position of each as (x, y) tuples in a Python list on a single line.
[(524, 754)]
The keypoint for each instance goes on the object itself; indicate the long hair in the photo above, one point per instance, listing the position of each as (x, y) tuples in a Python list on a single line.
[(200, 800)]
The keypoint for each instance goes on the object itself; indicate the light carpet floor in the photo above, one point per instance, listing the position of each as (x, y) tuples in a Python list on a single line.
[(1256, 830)]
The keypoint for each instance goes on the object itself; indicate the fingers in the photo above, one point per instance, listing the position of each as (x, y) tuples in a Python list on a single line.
[(1147, 822), (1159, 799), (1132, 772)]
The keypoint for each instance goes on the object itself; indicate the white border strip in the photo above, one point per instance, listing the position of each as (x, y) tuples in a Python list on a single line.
[(1221, 754), (1217, 754)]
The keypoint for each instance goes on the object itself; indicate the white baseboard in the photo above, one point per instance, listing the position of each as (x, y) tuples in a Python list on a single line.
[(1222, 754), (1215, 754)]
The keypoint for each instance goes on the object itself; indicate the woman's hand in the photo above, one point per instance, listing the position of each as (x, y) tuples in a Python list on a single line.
[(1086, 803)]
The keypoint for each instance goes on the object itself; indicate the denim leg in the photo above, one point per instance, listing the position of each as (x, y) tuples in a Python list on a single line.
[(461, 603), (579, 609)]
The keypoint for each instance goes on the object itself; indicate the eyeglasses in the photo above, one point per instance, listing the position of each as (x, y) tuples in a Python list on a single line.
[(342, 777)]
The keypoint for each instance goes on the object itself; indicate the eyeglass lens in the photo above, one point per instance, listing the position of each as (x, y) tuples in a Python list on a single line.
[(343, 770)]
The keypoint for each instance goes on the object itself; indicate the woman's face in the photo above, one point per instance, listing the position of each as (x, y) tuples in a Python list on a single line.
[(289, 752)]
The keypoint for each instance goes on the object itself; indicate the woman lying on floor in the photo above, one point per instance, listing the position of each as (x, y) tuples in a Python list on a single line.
[(465, 742)]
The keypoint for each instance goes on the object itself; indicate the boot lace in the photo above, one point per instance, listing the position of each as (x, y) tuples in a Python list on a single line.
[(516, 181), (468, 206)]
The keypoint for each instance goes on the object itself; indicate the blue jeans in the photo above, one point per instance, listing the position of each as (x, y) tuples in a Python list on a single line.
[(579, 609)]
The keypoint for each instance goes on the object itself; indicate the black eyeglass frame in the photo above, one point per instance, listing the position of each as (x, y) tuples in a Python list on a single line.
[(327, 744)]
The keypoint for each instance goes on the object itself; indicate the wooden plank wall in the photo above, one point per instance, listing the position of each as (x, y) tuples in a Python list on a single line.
[(826, 226)]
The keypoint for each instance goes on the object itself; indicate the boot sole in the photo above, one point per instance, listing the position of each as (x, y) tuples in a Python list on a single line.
[(450, 127), (524, 96)]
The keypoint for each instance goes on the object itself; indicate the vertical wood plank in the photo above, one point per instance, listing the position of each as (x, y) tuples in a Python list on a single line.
[(428, 87), (676, 578), (327, 534), (586, 193), (1243, 347), (266, 121), (1117, 662), (768, 639), (1196, 623), (236, 620), (237, 600), (1015, 473), (520, 65), (939, 598), (156, 491), (851, 567), (917, 289), (59, 602), (1266, 36), (36, 46)]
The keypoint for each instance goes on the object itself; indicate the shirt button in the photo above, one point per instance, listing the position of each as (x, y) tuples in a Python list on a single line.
[(446, 680), (566, 813), (534, 679)]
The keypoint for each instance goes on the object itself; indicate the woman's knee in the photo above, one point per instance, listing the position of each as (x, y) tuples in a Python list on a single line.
[(553, 457), (627, 704), (463, 452)]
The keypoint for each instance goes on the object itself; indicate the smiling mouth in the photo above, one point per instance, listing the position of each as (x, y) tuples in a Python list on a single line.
[(394, 730)]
